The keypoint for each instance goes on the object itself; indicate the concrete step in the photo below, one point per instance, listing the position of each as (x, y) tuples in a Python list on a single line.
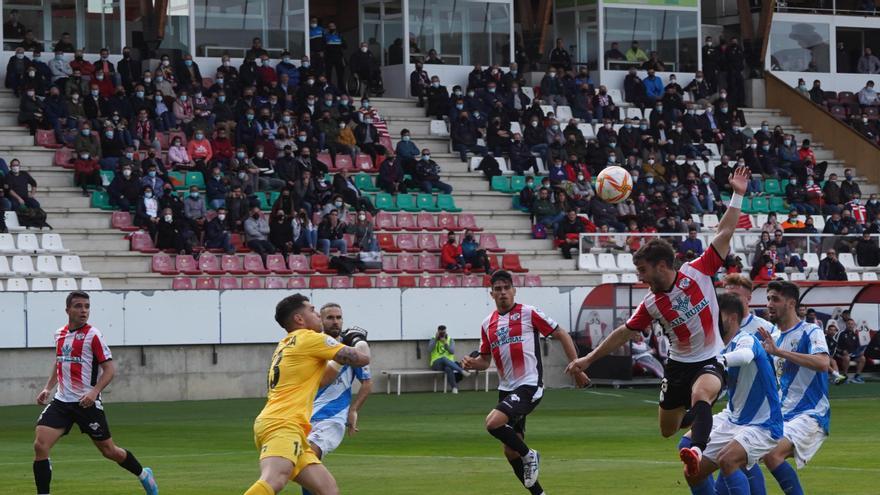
[(416, 125), (548, 263), (77, 218), (392, 112)]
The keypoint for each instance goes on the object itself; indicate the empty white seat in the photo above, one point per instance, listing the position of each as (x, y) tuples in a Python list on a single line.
[(634, 113), (27, 243), (852, 276), (846, 259), (609, 278), (51, 243), (587, 261), (760, 220), (713, 148), (65, 284), (542, 167), (588, 131), (7, 244), (813, 276), (710, 220), (798, 276), (12, 221), (438, 128), (812, 260), (90, 283), (781, 275), (515, 128), (617, 127), (4, 267), (16, 285), (41, 284), (606, 262), (529, 91), (749, 241), (72, 265), (625, 262), (547, 109), (819, 222), (647, 113), (22, 265), (710, 166), (616, 96), (474, 163), (563, 113), (869, 276), (48, 265), (629, 278)]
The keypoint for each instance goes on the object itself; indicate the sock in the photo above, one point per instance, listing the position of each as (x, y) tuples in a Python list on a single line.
[(706, 487), (684, 443), (720, 486), (43, 475), (756, 480), (260, 488), (131, 464), (688, 419), (509, 437), (736, 483), (788, 479), (518, 470), (702, 424)]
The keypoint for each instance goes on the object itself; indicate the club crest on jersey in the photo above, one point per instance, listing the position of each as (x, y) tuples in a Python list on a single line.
[(684, 283), (331, 342), (514, 398), (514, 316), (80, 336)]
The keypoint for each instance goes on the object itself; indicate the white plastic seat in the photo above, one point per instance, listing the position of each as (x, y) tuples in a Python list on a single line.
[(781, 275), (869, 276), (749, 241), (812, 260), (12, 221), (16, 285), (634, 113), (852, 276), (563, 113), (588, 131), (846, 259), (629, 278), (606, 262), (760, 219), (814, 275), (65, 284), (547, 109), (91, 283), (542, 167), (819, 222), (713, 148), (616, 97), (4, 267), (22, 265), (587, 261), (617, 127), (27, 243), (41, 285), (7, 244), (438, 128), (515, 128), (609, 278), (72, 265), (796, 276), (51, 243), (625, 262), (710, 166), (48, 265), (529, 91), (710, 220), (474, 163)]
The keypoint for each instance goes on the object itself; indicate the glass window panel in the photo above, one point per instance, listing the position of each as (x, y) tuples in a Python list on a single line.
[(800, 47), (101, 25), (28, 15), (393, 33), (565, 29), (177, 27), (588, 39), (228, 25), (463, 32), (671, 34), (499, 33), (286, 27)]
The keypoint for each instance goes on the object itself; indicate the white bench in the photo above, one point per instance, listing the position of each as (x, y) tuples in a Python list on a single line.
[(399, 374)]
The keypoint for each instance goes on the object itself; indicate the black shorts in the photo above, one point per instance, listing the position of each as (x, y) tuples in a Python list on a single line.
[(675, 389), (63, 415), (517, 404)]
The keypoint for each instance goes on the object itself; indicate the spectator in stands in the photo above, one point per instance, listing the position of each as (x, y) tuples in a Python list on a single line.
[(174, 233), (867, 95), (817, 94), (217, 234), (19, 187), (559, 57), (796, 195), (474, 256), (633, 88), (441, 351), (428, 174), (147, 213), (552, 90), (419, 82), (330, 234), (256, 229), (699, 89), (362, 231), (124, 189), (407, 152), (438, 99), (30, 111), (12, 28), (864, 126), (16, 69), (868, 63), (451, 257), (194, 211), (793, 223), (368, 137), (763, 270), (603, 105), (305, 234), (281, 232), (391, 175), (692, 246), (802, 88), (867, 251), (344, 185), (545, 211), (848, 349), (86, 172), (614, 53), (849, 188), (636, 54), (464, 137), (830, 268), (200, 151), (568, 233)]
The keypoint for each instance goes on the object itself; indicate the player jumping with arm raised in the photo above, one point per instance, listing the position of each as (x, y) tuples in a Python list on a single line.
[(684, 303)]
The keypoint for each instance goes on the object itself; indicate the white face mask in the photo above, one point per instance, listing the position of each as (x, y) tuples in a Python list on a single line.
[(126, 173), (168, 218), (221, 217)]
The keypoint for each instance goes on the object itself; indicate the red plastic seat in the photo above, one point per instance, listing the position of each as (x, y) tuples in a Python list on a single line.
[(430, 263), (275, 283), (429, 281), (163, 264), (275, 264), (182, 283), (385, 282), (318, 283), (467, 221), (490, 243), (254, 264), (321, 264), (387, 244), (406, 221), (519, 280), (428, 242), (408, 243), (386, 221), (447, 221), (206, 283), (510, 262), (122, 220), (365, 164), (533, 281), (227, 283), (210, 264), (472, 281), (297, 283), (187, 265), (408, 263), (385, 140), (238, 244), (299, 264), (450, 280), (406, 281), (231, 264), (389, 265), (362, 282), (251, 283), (340, 282), (46, 139), (343, 162), (838, 112), (493, 263), (428, 222), (349, 242), (325, 159), (141, 241), (63, 157)]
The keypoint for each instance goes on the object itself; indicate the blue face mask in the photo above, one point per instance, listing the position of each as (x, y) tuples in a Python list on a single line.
[(152, 173), (250, 116), (366, 104), (188, 63), (221, 98)]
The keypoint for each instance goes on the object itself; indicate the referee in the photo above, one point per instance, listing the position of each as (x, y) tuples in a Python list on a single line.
[(83, 368)]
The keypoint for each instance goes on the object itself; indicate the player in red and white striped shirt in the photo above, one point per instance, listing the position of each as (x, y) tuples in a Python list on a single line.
[(684, 303), (83, 368), (511, 336)]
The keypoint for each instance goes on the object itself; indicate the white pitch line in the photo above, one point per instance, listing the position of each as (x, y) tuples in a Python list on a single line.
[(650, 402), (603, 393)]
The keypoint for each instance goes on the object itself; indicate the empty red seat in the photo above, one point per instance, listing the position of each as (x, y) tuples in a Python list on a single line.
[(364, 163), (838, 112), (182, 283), (297, 283), (385, 281), (406, 221), (187, 265), (429, 281), (490, 243), (533, 281), (318, 283), (450, 280), (46, 138), (325, 159), (387, 243), (362, 282), (408, 242), (163, 264), (493, 263), (406, 281), (238, 244), (254, 264), (430, 263), (427, 221), (251, 283), (447, 221), (386, 221), (231, 264), (519, 281), (275, 283), (408, 263), (122, 220), (227, 283), (206, 283), (472, 281), (467, 221), (299, 264), (63, 157), (389, 264), (511, 263), (321, 264), (210, 264), (275, 264), (385, 140), (428, 242), (340, 282), (141, 241)]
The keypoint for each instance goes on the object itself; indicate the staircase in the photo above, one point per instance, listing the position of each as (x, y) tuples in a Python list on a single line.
[(105, 251)]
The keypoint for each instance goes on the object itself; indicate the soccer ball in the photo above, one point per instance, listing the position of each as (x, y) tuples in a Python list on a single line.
[(614, 184)]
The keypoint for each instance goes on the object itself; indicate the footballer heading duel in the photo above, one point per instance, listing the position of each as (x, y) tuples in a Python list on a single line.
[(683, 301)]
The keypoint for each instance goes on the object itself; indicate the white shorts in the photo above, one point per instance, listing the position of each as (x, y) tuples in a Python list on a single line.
[(806, 435), (756, 441), (327, 435)]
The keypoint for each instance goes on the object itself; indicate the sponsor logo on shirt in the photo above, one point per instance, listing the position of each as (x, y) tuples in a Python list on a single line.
[(65, 356), (681, 304), (503, 337)]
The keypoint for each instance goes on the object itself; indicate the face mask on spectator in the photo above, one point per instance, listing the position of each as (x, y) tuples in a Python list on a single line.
[(406, 137), (259, 154), (109, 134), (240, 155), (95, 92), (250, 116), (158, 99), (159, 79), (148, 194), (337, 204), (362, 217), (426, 157), (649, 180), (86, 132), (705, 180), (302, 139)]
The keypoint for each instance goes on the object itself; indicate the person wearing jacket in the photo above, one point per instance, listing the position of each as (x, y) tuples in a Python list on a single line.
[(428, 174), (451, 257), (256, 229), (86, 172), (330, 234), (391, 174)]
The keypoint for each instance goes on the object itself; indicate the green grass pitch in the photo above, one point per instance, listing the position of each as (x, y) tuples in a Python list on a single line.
[(600, 441)]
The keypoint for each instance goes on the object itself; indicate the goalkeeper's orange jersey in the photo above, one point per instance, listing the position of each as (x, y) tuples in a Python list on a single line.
[(295, 374)]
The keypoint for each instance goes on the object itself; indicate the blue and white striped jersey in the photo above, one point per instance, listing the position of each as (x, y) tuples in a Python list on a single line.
[(753, 395), (804, 391), (752, 323), (332, 401)]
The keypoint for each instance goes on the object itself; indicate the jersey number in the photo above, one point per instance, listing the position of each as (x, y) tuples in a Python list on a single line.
[(275, 372)]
